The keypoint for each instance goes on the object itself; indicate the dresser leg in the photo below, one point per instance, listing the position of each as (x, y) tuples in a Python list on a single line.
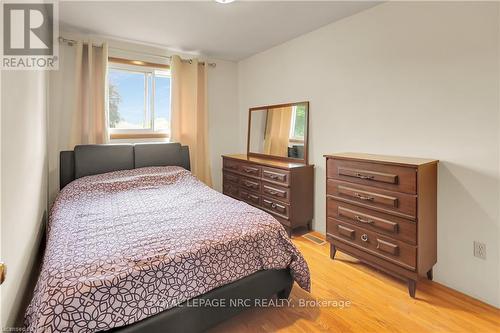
[(412, 287), (309, 226), (430, 275), (332, 251)]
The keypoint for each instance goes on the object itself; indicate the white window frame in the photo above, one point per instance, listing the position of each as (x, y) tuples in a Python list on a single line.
[(146, 70)]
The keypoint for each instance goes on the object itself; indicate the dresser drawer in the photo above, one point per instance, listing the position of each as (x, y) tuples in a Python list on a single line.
[(276, 175), (392, 226), (231, 165), (250, 198), (250, 169), (390, 177), (231, 177), (276, 192), (386, 201), (250, 184), (389, 249), (231, 190), (275, 207)]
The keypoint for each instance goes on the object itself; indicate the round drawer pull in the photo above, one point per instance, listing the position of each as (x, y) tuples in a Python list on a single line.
[(273, 205), (364, 237)]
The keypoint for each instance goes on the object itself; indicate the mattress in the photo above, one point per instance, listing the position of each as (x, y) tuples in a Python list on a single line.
[(126, 245)]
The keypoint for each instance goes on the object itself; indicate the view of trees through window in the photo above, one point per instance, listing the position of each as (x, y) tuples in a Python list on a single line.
[(114, 103), (300, 121)]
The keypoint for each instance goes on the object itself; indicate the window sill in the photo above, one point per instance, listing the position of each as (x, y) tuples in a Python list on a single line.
[(120, 136)]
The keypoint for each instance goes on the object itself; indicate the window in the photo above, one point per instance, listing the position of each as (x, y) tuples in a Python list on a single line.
[(139, 100), (297, 126)]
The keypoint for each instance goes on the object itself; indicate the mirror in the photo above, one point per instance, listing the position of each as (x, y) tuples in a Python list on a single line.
[(279, 131)]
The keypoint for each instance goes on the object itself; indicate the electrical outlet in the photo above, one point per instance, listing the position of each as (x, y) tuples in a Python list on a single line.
[(479, 250)]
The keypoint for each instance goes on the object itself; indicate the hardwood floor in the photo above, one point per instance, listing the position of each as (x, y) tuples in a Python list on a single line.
[(380, 303)]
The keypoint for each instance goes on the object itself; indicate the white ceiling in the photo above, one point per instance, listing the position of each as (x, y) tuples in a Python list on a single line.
[(231, 31)]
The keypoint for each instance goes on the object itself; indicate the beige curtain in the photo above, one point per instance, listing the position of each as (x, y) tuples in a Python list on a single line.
[(89, 118), (189, 113), (278, 131)]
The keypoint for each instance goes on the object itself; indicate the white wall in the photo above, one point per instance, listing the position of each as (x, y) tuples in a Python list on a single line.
[(23, 183), (60, 112), (416, 79), (498, 237)]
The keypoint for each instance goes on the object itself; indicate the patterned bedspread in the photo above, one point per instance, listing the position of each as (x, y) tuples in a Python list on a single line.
[(127, 245)]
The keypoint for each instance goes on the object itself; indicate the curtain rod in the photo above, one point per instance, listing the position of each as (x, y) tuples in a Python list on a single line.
[(72, 42)]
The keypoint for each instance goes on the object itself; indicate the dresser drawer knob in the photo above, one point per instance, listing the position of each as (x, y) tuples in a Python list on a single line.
[(364, 237), (273, 205), (362, 197)]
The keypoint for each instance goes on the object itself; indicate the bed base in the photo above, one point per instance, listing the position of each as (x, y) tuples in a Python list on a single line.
[(185, 318)]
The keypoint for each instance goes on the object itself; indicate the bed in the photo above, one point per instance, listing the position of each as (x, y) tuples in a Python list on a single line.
[(135, 243)]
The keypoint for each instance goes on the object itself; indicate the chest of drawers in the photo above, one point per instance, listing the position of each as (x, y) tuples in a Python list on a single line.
[(383, 211), (283, 189)]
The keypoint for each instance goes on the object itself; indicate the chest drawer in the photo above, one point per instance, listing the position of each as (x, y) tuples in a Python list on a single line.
[(386, 201), (231, 177), (231, 165), (276, 175), (389, 177), (397, 252), (389, 225), (251, 170), (231, 190), (250, 184), (276, 192), (250, 198), (276, 207)]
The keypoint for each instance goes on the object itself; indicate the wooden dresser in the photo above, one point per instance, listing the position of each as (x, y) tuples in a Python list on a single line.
[(382, 210), (283, 189)]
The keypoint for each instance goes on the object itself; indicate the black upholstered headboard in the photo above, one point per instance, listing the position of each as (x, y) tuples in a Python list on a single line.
[(86, 160)]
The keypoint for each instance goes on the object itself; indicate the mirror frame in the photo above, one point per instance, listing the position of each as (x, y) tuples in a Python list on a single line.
[(305, 160)]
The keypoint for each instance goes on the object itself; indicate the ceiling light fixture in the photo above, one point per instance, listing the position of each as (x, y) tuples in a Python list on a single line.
[(224, 1)]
